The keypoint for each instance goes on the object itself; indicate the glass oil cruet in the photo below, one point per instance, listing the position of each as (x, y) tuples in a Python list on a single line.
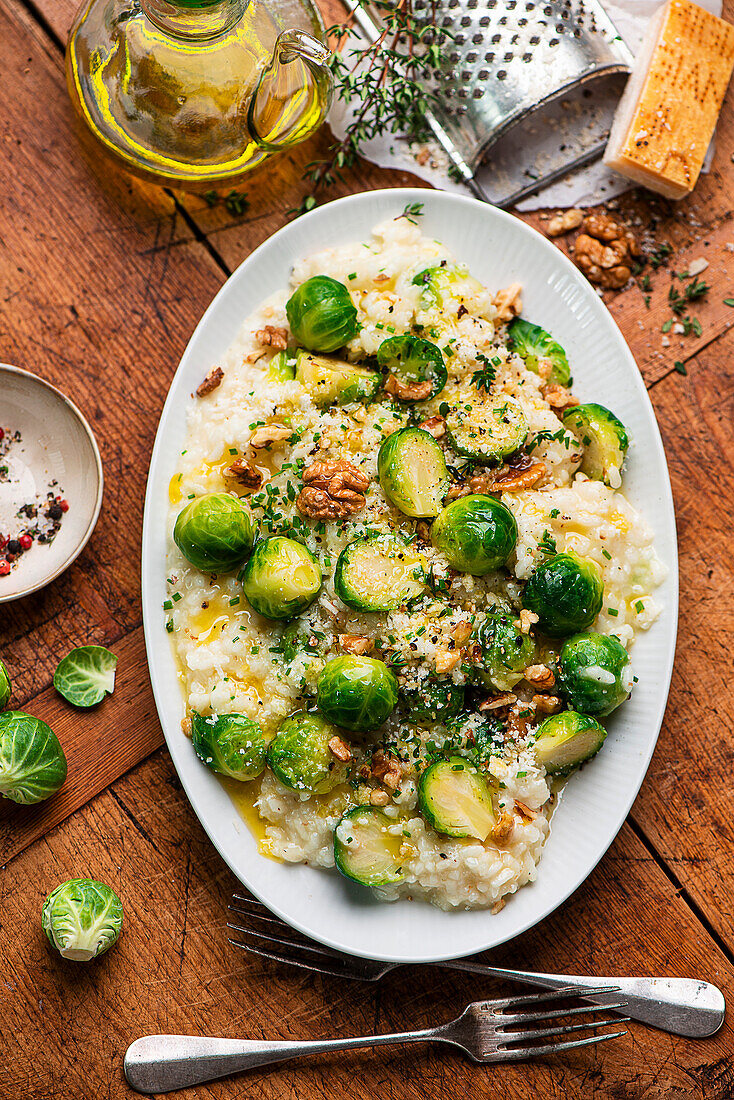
[(191, 93)]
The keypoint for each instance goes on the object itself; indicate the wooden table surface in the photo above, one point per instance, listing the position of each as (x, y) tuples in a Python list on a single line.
[(103, 281)]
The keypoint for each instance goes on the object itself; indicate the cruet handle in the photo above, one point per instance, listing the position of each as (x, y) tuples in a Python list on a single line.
[(294, 92)]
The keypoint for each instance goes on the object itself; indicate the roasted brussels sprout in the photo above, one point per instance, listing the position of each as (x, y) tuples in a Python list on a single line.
[(281, 578), (335, 382), (82, 919), (566, 593), (215, 532), (322, 314), (531, 342), (411, 361), (5, 687), (504, 652), (378, 573), (433, 700), (365, 848), (230, 744), (454, 798), (486, 427), (356, 693), (412, 472), (443, 281), (594, 673), (300, 756), (566, 740), (604, 439), (86, 675), (476, 533), (281, 368), (32, 762)]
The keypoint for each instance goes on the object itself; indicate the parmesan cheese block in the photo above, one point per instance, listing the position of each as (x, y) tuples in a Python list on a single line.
[(667, 114)]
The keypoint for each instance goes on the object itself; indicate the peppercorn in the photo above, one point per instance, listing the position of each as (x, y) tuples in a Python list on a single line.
[(55, 512), (13, 547), (25, 541), (4, 568)]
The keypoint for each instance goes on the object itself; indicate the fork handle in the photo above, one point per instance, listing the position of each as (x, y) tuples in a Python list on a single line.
[(162, 1063), (682, 1006)]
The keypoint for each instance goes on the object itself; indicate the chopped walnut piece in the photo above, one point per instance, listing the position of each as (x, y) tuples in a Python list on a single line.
[(564, 223), (333, 490), (340, 749), (423, 530), (526, 621), (379, 798), (386, 769), (502, 828), (407, 391), (523, 811), (212, 380), (356, 644), (558, 397), (447, 659), (273, 337), (508, 480), (540, 676), (547, 704), (381, 277), (269, 433), (508, 302), (498, 702), (245, 473), (435, 426), (462, 632)]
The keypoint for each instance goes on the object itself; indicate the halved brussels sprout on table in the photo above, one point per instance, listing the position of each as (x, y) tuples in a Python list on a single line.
[(321, 314), (433, 700), (364, 848), (5, 687), (378, 573), (215, 532), (564, 741), (594, 673), (504, 652), (334, 381), (566, 593), (604, 440), (82, 919), (412, 472), (32, 761), (356, 693), (486, 427), (281, 578), (531, 343), (230, 744), (454, 798), (412, 361), (300, 756), (476, 533)]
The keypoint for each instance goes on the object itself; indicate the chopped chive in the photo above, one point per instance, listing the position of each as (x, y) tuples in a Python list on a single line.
[(612, 611), (169, 625), (176, 597), (167, 605)]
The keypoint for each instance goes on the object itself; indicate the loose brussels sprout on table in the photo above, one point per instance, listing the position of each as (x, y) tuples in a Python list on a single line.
[(357, 693), (476, 533), (531, 342), (412, 472), (321, 314), (281, 578), (5, 687), (86, 675), (230, 744), (504, 652), (594, 673), (32, 762), (378, 573), (454, 798), (215, 532), (566, 593), (566, 740), (412, 361), (486, 427), (604, 439), (364, 848), (300, 756), (335, 382), (82, 919), (433, 700)]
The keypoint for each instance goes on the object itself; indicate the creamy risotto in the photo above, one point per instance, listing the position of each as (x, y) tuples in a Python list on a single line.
[(403, 573)]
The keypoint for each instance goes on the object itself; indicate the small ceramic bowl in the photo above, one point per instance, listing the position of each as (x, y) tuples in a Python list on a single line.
[(57, 453)]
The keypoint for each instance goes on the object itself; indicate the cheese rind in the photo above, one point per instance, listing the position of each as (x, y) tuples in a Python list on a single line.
[(668, 112)]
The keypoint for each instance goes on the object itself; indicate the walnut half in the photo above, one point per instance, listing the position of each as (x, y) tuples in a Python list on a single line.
[(332, 490)]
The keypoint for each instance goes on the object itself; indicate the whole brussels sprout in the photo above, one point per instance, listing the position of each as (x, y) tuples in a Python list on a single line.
[(566, 593), (281, 578), (321, 314), (82, 919), (476, 533), (411, 361), (433, 700), (566, 740), (594, 673), (230, 744), (357, 693), (5, 687), (504, 652), (215, 532), (300, 756), (32, 762)]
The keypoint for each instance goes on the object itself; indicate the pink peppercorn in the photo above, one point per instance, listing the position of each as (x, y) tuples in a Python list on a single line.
[(64, 505), (25, 541), (4, 568)]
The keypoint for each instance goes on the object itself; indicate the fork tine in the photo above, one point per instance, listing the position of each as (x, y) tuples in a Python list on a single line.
[(284, 959), (326, 952), (557, 1013), (547, 1032), (250, 900), (518, 1054)]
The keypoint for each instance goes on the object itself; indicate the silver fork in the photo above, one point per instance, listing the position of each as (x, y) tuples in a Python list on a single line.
[(681, 1006), (488, 1031)]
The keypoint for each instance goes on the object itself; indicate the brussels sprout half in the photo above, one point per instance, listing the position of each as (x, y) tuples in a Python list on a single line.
[(321, 314), (454, 798), (281, 368), (594, 673), (412, 472), (486, 427), (281, 578), (215, 532), (86, 675), (5, 687), (300, 756), (504, 652), (356, 693), (531, 343), (230, 744), (82, 919), (412, 360), (566, 740), (364, 848), (32, 762), (433, 700), (378, 573), (476, 533), (604, 439), (566, 593), (335, 382)]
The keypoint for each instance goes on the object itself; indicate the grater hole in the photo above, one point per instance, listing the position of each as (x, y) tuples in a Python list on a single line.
[(527, 57), (462, 93), (484, 21), (484, 74), (503, 21), (477, 39), (522, 22), (453, 57), (501, 75), (496, 38), (477, 93), (514, 39), (489, 57), (508, 57), (465, 21), (460, 39), (553, 42), (447, 21), (560, 28), (535, 40), (471, 57), (466, 76)]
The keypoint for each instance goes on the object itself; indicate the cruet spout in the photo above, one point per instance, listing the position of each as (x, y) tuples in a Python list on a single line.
[(293, 93)]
